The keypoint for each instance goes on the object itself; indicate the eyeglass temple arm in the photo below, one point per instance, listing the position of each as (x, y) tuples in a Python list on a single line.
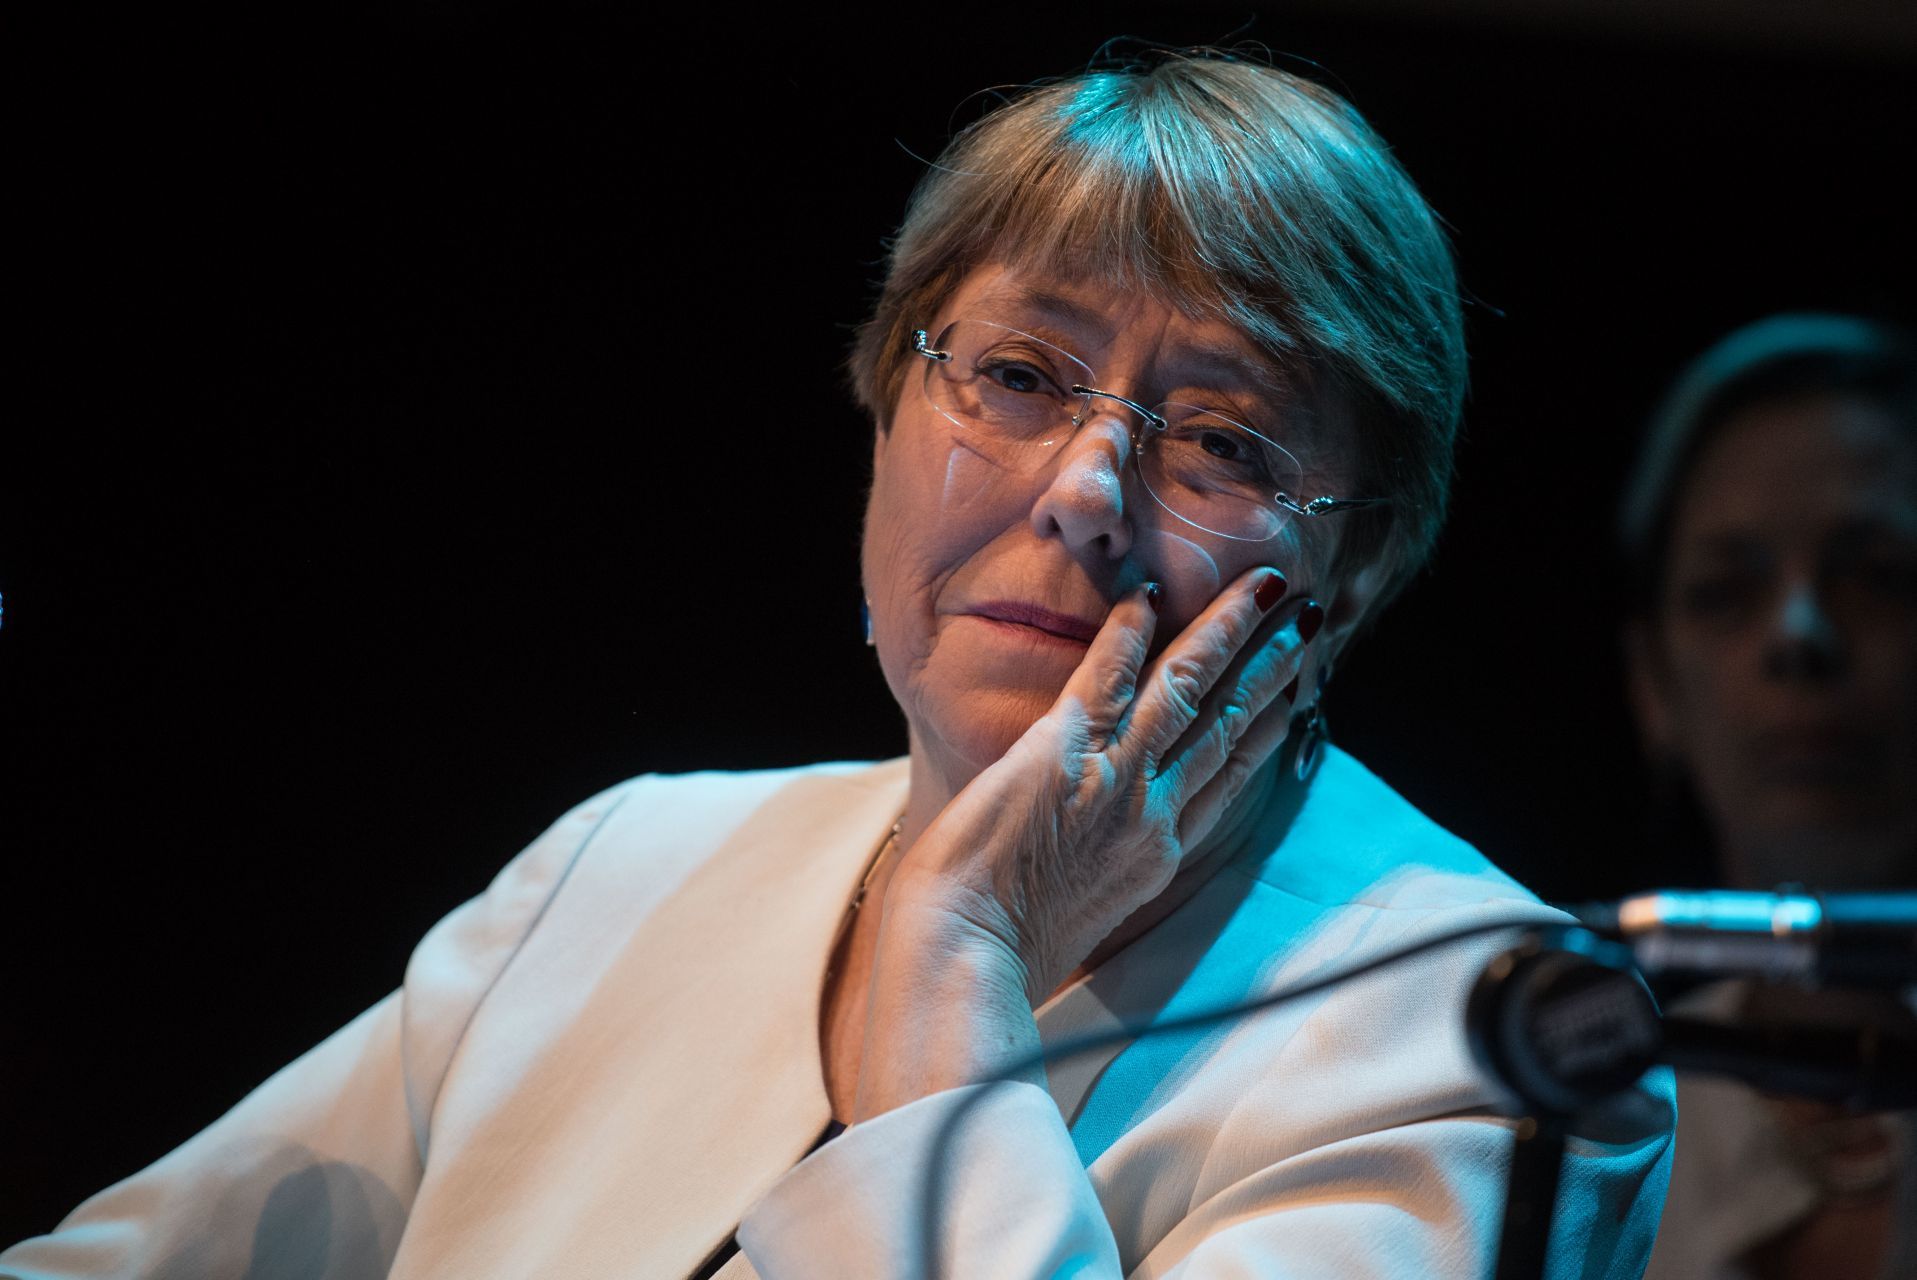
[(922, 344), (1325, 506)]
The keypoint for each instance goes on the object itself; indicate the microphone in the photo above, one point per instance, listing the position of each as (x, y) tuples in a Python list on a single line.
[(1809, 939), (1561, 1021)]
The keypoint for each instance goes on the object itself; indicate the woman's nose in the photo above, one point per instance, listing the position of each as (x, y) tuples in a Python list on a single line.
[(1085, 500), (1803, 642)]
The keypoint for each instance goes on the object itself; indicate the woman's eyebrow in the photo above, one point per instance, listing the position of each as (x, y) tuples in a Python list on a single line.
[(1734, 545), (1028, 300), (1734, 541), (1224, 366)]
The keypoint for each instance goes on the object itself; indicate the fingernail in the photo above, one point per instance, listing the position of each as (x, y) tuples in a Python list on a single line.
[(1152, 592), (1291, 691), (1309, 620), (1270, 591)]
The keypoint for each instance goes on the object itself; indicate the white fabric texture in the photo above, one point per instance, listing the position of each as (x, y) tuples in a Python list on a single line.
[(610, 1059)]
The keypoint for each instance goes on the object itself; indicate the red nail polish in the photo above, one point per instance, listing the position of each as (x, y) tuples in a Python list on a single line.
[(1309, 620), (1270, 591), (1291, 692), (1152, 592)]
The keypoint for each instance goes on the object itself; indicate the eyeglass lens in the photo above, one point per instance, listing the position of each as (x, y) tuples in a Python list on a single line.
[(1012, 392)]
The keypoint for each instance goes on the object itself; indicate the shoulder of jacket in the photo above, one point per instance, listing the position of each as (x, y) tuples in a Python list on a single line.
[(1356, 842), (662, 810)]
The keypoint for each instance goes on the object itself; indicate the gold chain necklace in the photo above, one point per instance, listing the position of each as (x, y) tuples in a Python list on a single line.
[(858, 897), (878, 860)]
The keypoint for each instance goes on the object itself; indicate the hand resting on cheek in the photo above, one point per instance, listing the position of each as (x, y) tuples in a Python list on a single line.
[(1085, 819)]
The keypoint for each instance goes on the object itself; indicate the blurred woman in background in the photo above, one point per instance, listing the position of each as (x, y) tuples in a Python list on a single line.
[(1771, 532)]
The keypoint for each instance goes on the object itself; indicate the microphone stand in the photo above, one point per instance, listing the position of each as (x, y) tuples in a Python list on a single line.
[(1563, 1021), (1530, 1198)]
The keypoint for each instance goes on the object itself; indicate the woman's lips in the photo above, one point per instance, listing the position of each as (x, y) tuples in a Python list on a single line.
[(1033, 618)]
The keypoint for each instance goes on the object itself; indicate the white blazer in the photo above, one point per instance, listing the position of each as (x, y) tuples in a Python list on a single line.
[(610, 1060)]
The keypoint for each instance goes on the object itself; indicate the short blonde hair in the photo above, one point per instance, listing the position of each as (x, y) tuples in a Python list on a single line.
[(1232, 190)]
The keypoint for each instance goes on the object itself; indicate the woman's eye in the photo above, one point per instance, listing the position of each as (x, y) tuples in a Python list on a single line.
[(1720, 596), (1882, 575), (1222, 444), (1016, 375), (1226, 450), (1895, 578)]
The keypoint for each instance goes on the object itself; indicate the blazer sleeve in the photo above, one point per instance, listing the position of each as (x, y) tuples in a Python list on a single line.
[(1408, 1181), (1012, 1201), (313, 1174)]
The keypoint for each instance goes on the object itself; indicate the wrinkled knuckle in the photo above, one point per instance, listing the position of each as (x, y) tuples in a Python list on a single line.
[(1185, 683), (1116, 686)]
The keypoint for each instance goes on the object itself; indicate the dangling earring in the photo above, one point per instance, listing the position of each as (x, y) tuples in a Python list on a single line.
[(1316, 732), (1314, 737), (865, 621)]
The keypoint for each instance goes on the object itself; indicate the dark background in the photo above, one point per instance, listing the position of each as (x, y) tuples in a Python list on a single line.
[(435, 418)]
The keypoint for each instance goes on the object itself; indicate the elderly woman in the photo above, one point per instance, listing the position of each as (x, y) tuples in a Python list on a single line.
[(1164, 377)]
